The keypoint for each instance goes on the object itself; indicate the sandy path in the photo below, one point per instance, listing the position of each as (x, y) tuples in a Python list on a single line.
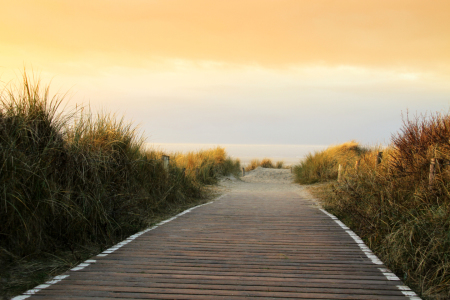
[(266, 180)]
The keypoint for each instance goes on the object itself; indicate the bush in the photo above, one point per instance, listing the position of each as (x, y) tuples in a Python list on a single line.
[(397, 212)]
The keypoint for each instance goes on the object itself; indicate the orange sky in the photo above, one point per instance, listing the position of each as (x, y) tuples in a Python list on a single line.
[(383, 33), (255, 71)]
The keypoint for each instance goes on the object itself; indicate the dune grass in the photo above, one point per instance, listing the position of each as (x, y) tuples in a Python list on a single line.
[(264, 163), (322, 166), (206, 165), (73, 184), (393, 206)]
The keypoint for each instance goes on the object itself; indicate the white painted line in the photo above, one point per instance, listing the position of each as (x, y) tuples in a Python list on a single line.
[(90, 261), (386, 272), (83, 265), (80, 267), (31, 292), (341, 224), (409, 293), (42, 286), (52, 281), (21, 297)]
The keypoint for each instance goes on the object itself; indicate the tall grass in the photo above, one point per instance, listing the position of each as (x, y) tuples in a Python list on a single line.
[(206, 166), (323, 166), (264, 163), (393, 207), (73, 180)]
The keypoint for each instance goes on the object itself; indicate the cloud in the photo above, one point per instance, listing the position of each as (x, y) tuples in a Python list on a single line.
[(409, 34)]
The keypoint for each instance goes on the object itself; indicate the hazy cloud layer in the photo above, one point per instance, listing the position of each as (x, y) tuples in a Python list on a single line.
[(248, 71)]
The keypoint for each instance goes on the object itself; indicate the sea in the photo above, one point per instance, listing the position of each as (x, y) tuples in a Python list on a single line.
[(289, 154)]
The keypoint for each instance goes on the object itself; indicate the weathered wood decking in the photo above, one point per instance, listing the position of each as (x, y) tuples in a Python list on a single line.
[(245, 245)]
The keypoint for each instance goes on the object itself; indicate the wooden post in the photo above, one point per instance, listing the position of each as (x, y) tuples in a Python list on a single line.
[(243, 172), (379, 157), (340, 173), (183, 174), (357, 165), (432, 173), (165, 160), (291, 170)]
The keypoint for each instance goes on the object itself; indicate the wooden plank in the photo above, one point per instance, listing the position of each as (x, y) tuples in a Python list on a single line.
[(259, 245)]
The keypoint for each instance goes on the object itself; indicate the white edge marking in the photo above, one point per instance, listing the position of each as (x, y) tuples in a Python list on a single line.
[(83, 265), (409, 293), (40, 287), (386, 272)]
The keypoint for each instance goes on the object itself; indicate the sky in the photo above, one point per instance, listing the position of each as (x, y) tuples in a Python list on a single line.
[(272, 72)]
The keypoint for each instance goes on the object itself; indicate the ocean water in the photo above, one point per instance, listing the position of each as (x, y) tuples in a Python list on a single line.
[(290, 154)]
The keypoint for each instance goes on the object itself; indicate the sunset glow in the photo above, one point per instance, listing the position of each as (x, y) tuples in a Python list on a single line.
[(239, 72)]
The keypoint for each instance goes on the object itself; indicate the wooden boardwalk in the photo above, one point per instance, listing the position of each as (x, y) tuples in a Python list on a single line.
[(245, 245)]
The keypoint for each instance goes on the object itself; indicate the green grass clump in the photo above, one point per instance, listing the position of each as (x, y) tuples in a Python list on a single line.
[(323, 166), (78, 181), (395, 208)]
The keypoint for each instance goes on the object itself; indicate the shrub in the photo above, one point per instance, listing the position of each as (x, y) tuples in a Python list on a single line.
[(396, 211)]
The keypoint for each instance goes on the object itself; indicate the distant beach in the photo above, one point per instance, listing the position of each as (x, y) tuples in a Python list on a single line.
[(290, 154)]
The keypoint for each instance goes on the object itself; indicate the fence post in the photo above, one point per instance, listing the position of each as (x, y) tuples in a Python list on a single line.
[(379, 157), (183, 173), (165, 160), (432, 175), (243, 172), (357, 165), (340, 173)]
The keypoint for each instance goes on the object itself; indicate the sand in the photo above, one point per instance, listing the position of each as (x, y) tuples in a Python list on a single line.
[(266, 180)]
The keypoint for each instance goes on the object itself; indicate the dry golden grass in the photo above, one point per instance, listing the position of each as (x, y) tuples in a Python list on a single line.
[(401, 216), (264, 163), (323, 165)]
